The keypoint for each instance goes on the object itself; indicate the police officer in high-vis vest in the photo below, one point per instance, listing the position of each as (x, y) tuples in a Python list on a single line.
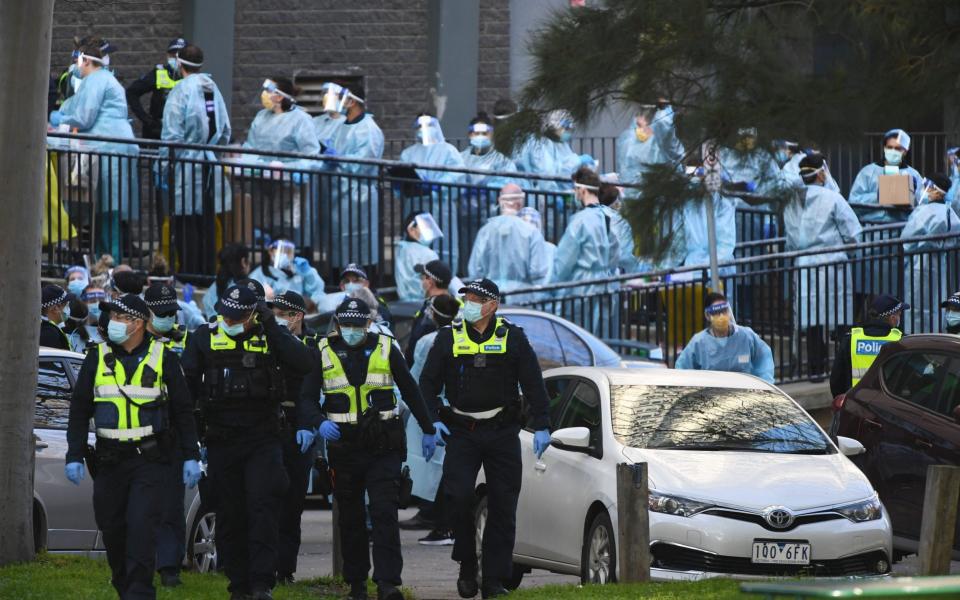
[(134, 390), (157, 82), (355, 376), (860, 347), (482, 363), (234, 367), (161, 299), (289, 309)]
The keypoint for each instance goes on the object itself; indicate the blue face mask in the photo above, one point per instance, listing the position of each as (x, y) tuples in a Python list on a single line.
[(75, 70), (352, 335), (892, 156), (172, 63), (953, 318), (231, 330), (480, 142), (565, 136), (94, 310), (352, 287), (77, 286), (163, 324), (782, 157), (117, 332), (472, 312), (283, 322), (283, 262)]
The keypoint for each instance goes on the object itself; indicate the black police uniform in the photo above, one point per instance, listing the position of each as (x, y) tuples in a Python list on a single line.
[(422, 325), (151, 119), (364, 459), (239, 392), (298, 466), (52, 336), (128, 483), (475, 384)]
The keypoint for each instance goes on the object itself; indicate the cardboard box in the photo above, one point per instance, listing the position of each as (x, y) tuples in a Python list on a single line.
[(895, 190)]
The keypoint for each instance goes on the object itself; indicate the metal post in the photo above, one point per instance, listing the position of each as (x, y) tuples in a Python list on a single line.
[(939, 523), (712, 242), (633, 523)]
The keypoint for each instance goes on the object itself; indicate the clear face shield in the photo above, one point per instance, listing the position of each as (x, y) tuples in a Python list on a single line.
[(282, 253), (720, 317), (932, 190), (511, 202), (481, 136), (269, 89), (428, 228), (334, 99), (561, 124), (426, 128)]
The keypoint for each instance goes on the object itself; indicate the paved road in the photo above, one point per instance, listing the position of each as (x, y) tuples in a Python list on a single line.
[(427, 570)]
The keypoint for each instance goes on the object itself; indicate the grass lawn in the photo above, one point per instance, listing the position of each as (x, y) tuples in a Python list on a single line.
[(75, 578), (710, 589)]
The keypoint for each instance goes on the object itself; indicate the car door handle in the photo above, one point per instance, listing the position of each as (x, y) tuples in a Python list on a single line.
[(40, 444), (540, 466), (874, 424), (923, 442)]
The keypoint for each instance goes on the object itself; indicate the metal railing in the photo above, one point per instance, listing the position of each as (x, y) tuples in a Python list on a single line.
[(799, 303)]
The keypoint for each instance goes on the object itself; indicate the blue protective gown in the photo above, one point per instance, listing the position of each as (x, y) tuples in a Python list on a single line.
[(425, 474), (185, 120), (407, 255), (952, 194), (353, 216), (544, 156), (741, 352), (289, 131), (100, 108), (759, 168), (791, 174), (309, 285), (820, 218), (695, 231), (441, 201), (635, 157), (511, 253), (325, 128), (490, 161), (589, 250), (627, 262), (190, 315), (210, 298), (865, 190), (925, 280)]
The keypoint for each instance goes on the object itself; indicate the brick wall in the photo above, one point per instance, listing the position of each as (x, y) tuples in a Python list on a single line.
[(493, 78)]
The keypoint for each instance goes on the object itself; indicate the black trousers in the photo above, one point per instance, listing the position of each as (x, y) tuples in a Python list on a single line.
[(126, 504), (249, 481), (298, 466), (171, 530), (378, 474), (497, 450), (193, 242)]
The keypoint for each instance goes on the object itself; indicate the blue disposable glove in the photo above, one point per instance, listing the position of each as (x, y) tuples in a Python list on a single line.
[(429, 445), (329, 150), (302, 265), (305, 439), (751, 186), (187, 293), (441, 431), (191, 473), (74, 472), (56, 117), (541, 441), (329, 431), (203, 453), (586, 160)]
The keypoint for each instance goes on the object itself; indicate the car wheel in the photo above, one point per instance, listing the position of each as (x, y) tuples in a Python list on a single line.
[(598, 559), (480, 520), (203, 542)]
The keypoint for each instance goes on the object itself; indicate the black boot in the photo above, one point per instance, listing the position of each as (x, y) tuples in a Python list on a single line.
[(492, 589), (358, 591), (170, 577), (388, 592), (467, 581)]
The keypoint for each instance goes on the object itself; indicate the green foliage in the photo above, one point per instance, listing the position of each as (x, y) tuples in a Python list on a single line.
[(710, 589)]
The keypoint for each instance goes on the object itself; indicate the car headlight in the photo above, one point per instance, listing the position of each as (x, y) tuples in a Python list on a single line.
[(868, 510), (675, 505)]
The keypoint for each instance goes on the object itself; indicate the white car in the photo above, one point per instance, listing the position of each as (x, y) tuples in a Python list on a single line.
[(743, 482), (63, 520)]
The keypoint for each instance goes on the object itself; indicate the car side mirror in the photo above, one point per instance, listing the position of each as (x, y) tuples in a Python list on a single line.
[(571, 438), (850, 446)]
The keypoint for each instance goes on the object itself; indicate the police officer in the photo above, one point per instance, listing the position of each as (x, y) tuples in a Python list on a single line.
[(435, 278), (234, 369), (355, 375), (479, 363), (289, 309), (161, 299), (860, 347), (157, 82), (135, 392), (53, 305)]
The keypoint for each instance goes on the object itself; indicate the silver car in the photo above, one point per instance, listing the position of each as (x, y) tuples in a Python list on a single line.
[(63, 520)]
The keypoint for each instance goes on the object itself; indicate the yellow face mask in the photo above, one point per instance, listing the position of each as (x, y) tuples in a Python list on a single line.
[(720, 323), (266, 100), (643, 134)]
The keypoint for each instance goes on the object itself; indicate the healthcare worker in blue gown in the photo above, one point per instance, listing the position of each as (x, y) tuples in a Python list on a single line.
[(283, 271), (650, 140), (818, 218), (788, 155), (866, 187), (508, 250), (551, 154), (953, 171), (440, 192), (726, 346), (99, 107), (354, 214), (925, 278), (589, 250), (420, 232)]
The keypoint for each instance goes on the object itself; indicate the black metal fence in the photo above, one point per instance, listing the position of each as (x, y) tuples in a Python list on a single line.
[(799, 303)]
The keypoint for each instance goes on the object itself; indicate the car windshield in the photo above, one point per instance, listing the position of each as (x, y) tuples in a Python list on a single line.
[(708, 418)]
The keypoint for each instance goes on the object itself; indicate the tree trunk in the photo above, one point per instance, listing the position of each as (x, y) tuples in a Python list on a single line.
[(25, 31)]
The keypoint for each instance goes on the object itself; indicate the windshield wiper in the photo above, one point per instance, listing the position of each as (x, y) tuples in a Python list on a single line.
[(711, 447)]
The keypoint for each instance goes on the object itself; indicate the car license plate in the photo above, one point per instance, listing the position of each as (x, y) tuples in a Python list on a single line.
[(780, 553)]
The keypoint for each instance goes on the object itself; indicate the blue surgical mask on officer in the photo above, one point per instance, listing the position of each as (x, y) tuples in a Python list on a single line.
[(172, 63), (117, 332), (352, 286), (352, 335), (163, 324), (283, 322), (472, 312), (232, 330), (953, 318)]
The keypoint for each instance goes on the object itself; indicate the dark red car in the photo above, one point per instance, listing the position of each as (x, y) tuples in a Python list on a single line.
[(906, 412)]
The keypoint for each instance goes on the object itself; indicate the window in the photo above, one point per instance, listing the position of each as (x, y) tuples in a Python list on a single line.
[(556, 388), (914, 376), (950, 392), (583, 410), (543, 339), (53, 395), (575, 351)]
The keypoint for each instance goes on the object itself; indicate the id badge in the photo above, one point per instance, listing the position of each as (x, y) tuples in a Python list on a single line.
[(480, 360)]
